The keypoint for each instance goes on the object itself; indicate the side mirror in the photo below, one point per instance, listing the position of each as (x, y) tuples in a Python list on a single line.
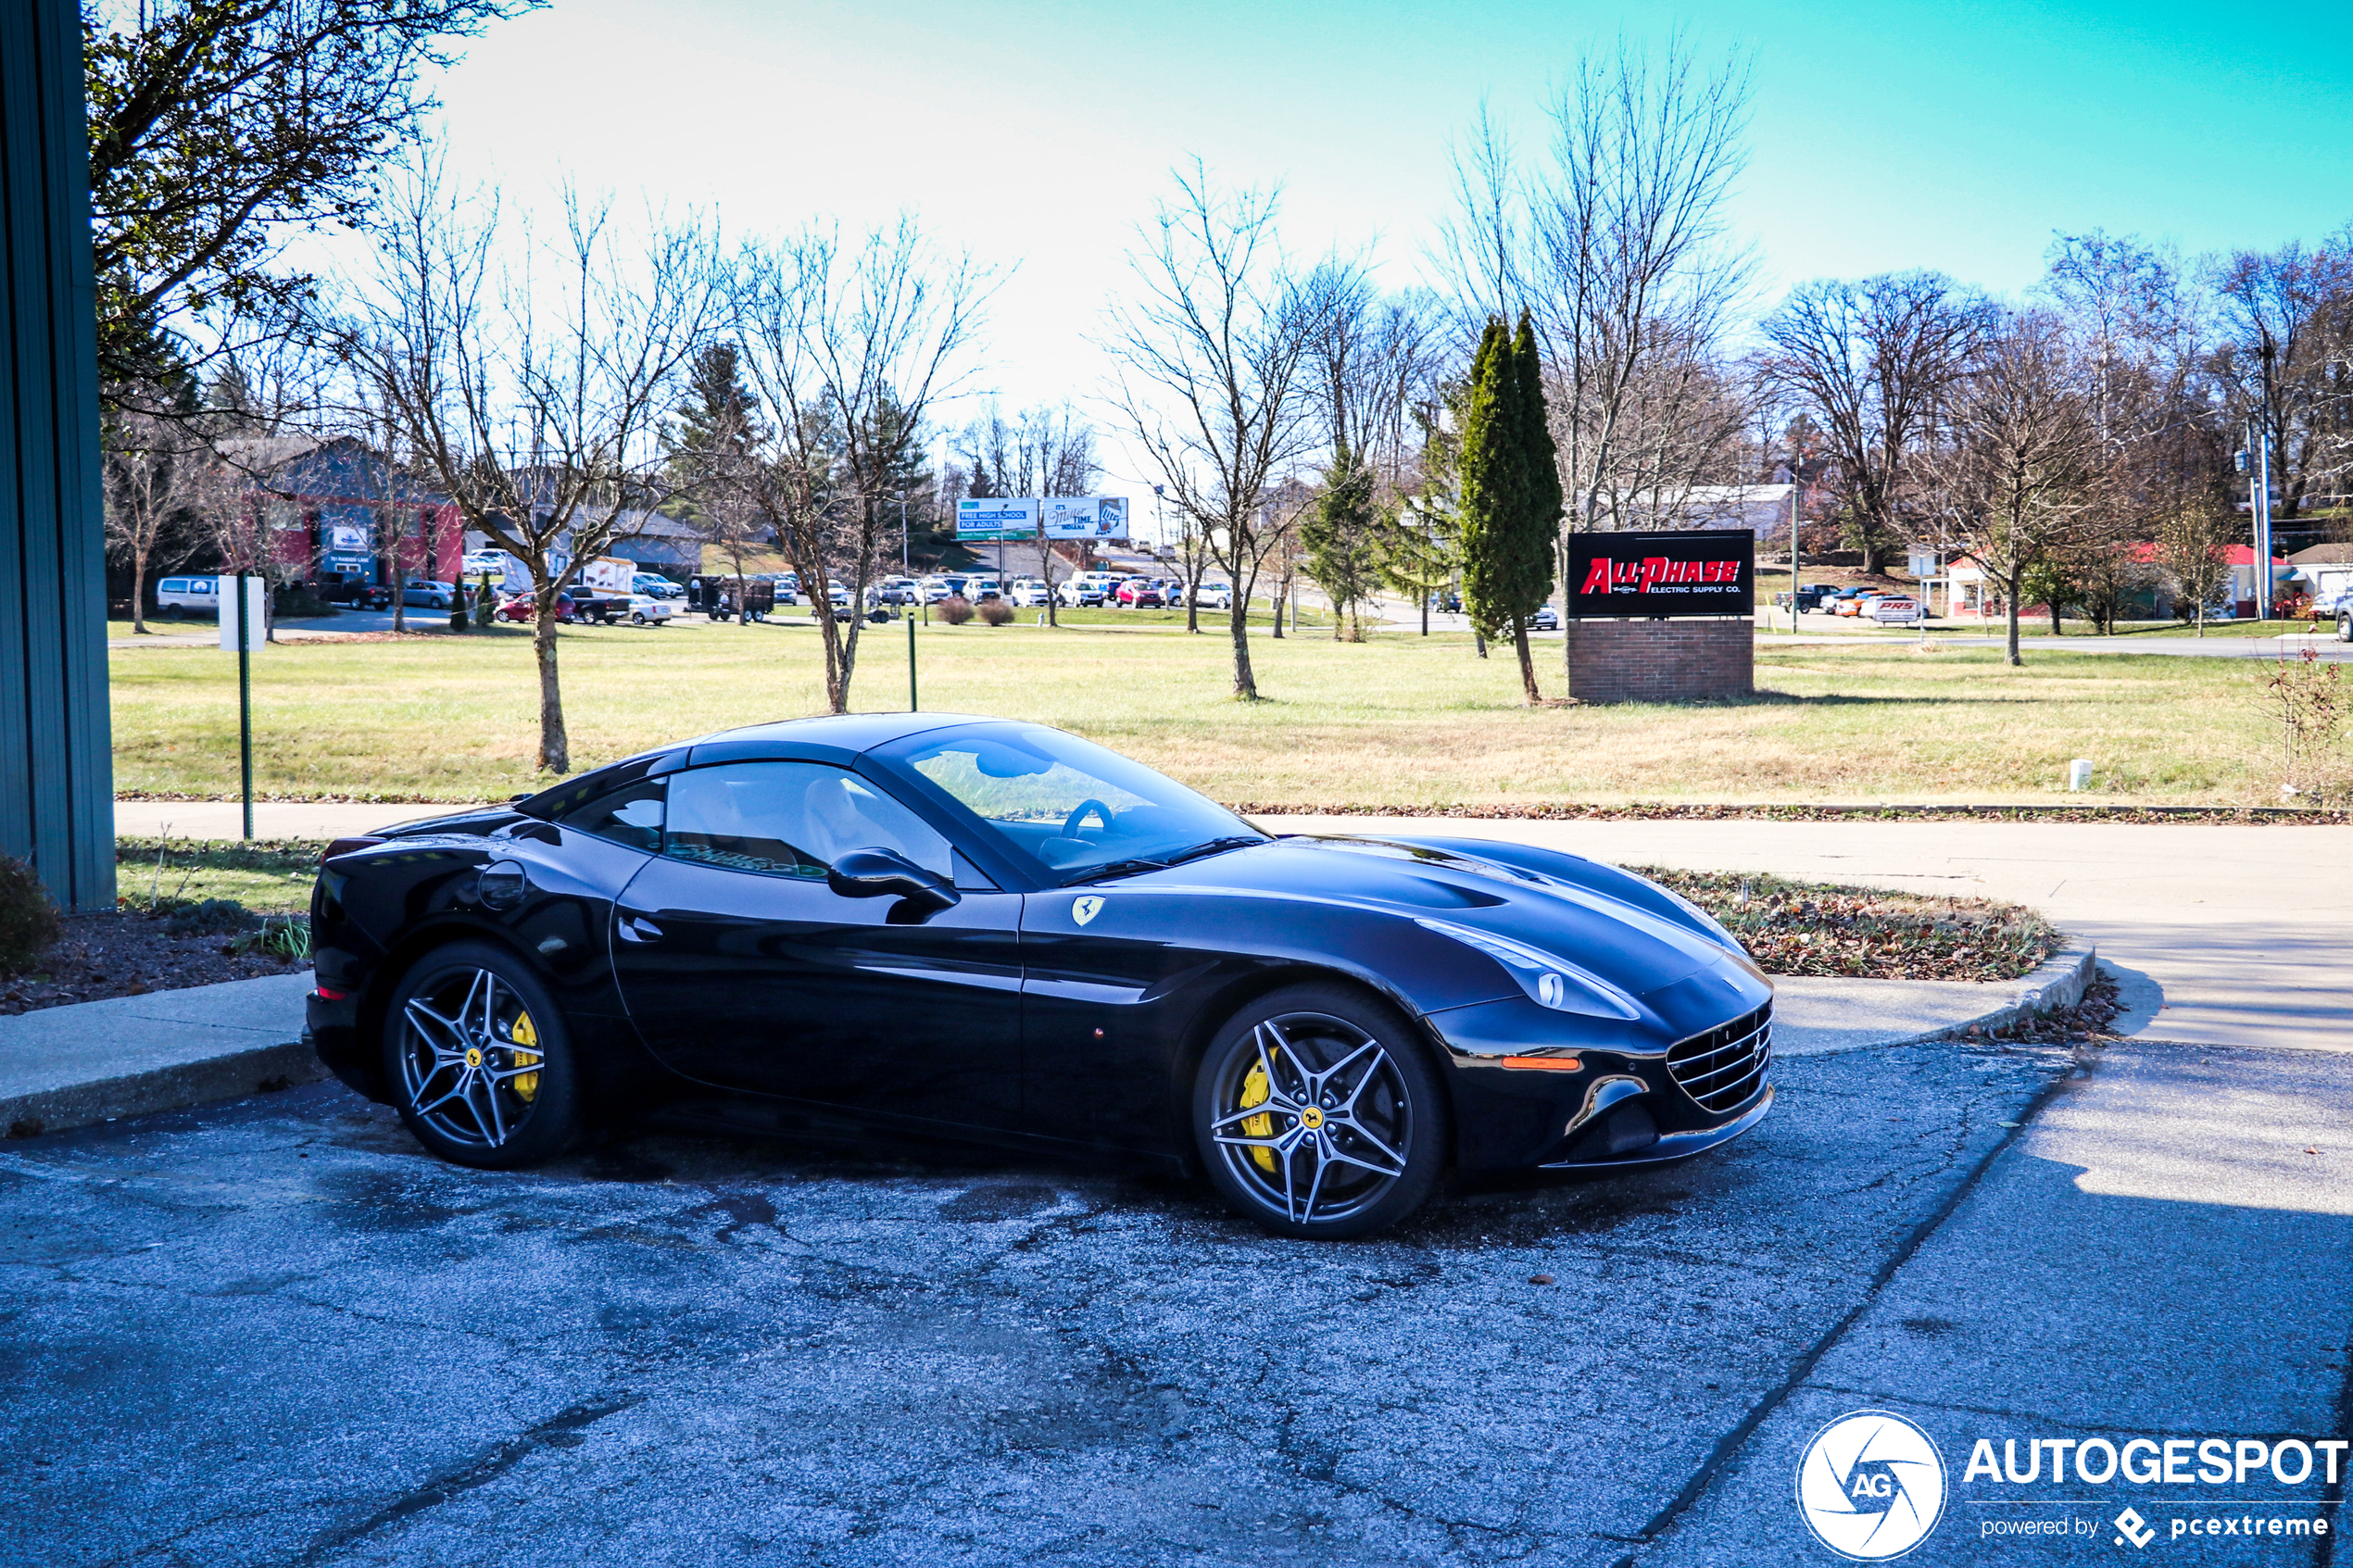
[(884, 874)]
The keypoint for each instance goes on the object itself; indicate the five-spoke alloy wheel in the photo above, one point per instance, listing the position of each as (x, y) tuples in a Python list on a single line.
[(478, 1062), (1317, 1113)]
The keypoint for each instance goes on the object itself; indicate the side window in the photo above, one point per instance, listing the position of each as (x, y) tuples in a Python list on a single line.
[(632, 815), (790, 818), (172, 586)]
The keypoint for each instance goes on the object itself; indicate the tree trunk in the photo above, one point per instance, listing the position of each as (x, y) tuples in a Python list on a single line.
[(139, 591), (1279, 594), (1479, 640), (1238, 622), (2014, 586), (555, 749), (1526, 663)]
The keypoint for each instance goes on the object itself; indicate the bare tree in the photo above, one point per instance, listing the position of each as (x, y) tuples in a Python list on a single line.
[(2020, 478), (1045, 451), (532, 396), (1215, 357), (2194, 539), (2287, 359), (152, 477), (1873, 361), (848, 352), (1617, 244)]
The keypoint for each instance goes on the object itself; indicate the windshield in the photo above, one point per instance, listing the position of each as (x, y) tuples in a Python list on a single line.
[(1066, 806)]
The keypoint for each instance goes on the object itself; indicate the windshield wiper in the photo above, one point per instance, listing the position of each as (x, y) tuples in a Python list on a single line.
[(1113, 868), (1216, 846)]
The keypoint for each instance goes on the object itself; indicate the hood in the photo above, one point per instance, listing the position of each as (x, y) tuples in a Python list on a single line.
[(1635, 948)]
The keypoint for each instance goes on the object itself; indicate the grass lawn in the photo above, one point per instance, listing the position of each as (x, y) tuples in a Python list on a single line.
[(1397, 720), (268, 876)]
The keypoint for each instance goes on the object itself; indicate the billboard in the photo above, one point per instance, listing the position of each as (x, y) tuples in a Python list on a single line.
[(1651, 576), (997, 518), (1085, 517)]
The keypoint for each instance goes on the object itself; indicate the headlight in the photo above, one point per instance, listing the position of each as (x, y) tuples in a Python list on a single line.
[(1555, 982)]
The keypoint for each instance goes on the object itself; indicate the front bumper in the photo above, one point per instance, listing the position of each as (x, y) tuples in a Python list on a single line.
[(1622, 1104)]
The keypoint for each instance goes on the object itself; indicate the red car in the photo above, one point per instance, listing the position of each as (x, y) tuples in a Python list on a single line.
[(1137, 593), (520, 608)]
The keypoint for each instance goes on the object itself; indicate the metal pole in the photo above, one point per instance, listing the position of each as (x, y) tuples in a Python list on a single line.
[(912, 706), (1796, 490), (2262, 525), (245, 700)]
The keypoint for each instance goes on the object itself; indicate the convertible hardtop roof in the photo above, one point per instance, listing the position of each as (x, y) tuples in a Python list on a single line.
[(832, 738)]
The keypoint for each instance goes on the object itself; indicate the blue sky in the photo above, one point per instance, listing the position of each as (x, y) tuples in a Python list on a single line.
[(1955, 136)]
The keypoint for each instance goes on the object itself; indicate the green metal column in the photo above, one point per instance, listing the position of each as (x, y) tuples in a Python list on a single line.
[(57, 781)]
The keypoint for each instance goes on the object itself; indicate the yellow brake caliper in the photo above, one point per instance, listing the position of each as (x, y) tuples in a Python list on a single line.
[(1255, 1089), (525, 1085)]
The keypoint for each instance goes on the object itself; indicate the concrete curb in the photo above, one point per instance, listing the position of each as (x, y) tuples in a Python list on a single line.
[(231, 1076), (2060, 983)]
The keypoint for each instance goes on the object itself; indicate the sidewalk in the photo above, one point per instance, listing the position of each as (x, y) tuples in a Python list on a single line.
[(127, 1056)]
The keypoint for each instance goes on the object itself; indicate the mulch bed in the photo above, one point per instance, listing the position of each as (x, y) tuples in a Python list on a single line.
[(1805, 928), (130, 955)]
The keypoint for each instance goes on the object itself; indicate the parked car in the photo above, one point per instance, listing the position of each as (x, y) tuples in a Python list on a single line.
[(428, 594), (730, 598), (842, 873), (1028, 593), (1138, 593), (657, 586), (1447, 600), (520, 608), (476, 562), (1088, 590), (1214, 596), (337, 588), (1809, 596), (936, 588), (980, 588), (1546, 619), (896, 591)]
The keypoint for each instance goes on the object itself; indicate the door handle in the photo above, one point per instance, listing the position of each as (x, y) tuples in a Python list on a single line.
[(636, 928)]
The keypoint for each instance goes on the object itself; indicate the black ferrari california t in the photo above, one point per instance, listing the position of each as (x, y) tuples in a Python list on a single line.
[(980, 929)]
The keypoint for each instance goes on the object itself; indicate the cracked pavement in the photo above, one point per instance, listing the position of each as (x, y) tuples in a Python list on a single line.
[(276, 1332)]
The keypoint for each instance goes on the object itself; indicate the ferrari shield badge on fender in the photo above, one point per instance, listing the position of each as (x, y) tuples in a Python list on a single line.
[(1084, 910)]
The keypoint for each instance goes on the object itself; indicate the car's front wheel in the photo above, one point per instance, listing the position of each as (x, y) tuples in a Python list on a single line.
[(1317, 1113), (478, 1059), (2345, 628)]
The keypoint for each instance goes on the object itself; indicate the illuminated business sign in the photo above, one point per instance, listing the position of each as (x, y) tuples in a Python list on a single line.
[(1702, 572)]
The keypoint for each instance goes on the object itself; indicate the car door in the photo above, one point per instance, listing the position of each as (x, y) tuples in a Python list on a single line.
[(741, 967)]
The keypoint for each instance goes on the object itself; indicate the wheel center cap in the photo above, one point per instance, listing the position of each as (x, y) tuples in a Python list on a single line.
[(1311, 1117), (474, 1056)]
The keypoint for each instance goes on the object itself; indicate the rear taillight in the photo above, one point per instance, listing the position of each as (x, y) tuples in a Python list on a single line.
[(328, 993), (345, 845)]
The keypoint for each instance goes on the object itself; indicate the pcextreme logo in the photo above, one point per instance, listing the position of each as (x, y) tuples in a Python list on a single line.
[(1870, 1485)]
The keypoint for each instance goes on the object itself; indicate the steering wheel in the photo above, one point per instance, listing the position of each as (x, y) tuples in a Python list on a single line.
[(1078, 815)]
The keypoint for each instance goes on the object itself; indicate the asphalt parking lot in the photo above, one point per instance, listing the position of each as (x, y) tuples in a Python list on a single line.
[(275, 1331)]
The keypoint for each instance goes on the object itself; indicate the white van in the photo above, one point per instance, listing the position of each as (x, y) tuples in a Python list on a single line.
[(177, 597)]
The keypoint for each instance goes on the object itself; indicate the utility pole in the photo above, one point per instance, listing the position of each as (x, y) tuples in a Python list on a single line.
[(1796, 497)]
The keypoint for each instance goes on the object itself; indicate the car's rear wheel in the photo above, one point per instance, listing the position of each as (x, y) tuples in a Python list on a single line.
[(1317, 1113), (480, 1065), (637, 618)]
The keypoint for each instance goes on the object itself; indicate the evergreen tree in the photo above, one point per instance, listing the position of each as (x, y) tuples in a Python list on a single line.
[(712, 430), (1341, 534), (1501, 584), (1546, 498)]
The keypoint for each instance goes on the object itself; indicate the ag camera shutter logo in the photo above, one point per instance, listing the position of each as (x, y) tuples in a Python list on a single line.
[(1870, 1485)]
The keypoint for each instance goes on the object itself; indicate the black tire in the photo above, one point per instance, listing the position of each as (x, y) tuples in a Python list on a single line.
[(2345, 628), (171, 612), (637, 618), (473, 1096), (1347, 1146)]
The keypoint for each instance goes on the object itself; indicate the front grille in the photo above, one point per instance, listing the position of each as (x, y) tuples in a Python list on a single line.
[(1724, 1067)]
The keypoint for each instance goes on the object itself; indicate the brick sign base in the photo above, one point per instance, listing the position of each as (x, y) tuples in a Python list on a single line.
[(1661, 660)]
